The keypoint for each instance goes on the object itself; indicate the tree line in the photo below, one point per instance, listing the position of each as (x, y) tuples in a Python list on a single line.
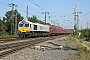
[(85, 32), (5, 22)]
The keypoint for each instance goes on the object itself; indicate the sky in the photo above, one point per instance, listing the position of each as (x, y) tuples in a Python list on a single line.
[(60, 11)]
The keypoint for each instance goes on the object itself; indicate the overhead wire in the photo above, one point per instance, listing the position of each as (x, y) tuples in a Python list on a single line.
[(37, 5), (25, 11), (86, 14), (40, 5), (34, 4), (50, 8), (17, 8)]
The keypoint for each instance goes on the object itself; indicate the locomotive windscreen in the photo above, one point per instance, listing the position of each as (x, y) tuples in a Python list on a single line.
[(26, 25), (21, 25)]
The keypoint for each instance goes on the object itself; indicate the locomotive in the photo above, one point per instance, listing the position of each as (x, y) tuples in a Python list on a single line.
[(30, 29)]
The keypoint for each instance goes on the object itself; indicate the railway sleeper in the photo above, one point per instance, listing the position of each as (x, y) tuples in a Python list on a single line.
[(21, 46)]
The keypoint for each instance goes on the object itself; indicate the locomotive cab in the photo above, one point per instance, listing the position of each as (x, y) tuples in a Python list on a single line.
[(24, 28)]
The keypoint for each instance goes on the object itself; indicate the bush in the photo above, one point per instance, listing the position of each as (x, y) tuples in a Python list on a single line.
[(6, 35)]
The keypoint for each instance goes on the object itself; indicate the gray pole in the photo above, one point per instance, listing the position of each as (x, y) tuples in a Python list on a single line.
[(16, 24), (78, 19), (45, 18), (45, 15), (87, 25), (54, 22), (75, 17), (27, 12), (77, 22), (81, 26), (13, 29)]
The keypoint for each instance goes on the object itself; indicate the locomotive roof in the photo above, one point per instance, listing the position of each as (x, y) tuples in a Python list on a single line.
[(39, 24), (26, 21)]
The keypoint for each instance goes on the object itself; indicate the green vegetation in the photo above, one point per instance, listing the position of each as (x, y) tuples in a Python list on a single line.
[(2, 27), (34, 19), (5, 23), (82, 53), (85, 32), (7, 35), (87, 43)]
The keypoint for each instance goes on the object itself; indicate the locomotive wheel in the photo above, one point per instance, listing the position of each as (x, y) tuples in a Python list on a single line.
[(24, 36), (21, 36)]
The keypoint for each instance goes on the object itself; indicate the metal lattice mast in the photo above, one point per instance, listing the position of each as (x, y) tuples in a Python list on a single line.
[(16, 24), (27, 12), (75, 21), (12, 20), (45, 15), (76, 18)]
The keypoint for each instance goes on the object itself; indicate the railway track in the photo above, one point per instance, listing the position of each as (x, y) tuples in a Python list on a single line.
[(14, 47), (2, 40)]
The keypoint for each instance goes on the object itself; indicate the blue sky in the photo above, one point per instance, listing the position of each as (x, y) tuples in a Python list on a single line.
[(61, 10)]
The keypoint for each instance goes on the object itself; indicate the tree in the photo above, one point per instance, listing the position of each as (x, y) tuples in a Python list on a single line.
[(34, 19), (2, 27), (8, 19), (85, 32)]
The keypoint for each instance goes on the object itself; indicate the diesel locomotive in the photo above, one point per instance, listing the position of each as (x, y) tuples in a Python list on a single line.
[(30, 29)]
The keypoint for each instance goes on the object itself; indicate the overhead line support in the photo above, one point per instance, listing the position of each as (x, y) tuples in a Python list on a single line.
[(45, 15)]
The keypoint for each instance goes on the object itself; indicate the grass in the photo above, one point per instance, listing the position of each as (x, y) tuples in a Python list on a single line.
[(87, 43), (7, 36), (83, 53)]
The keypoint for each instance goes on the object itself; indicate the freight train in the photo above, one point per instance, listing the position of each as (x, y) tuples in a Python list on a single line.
[(30, 29)]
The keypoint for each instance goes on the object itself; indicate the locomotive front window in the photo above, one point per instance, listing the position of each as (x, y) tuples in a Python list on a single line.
[(26, 25), (20, 25)]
